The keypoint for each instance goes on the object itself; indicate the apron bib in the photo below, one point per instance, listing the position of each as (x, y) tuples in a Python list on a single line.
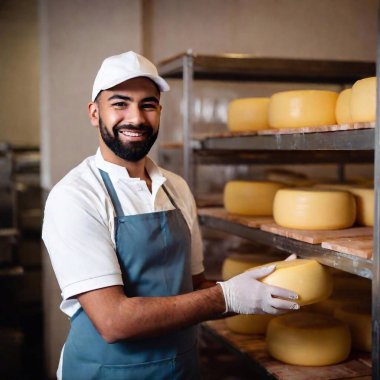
[(153, 250)]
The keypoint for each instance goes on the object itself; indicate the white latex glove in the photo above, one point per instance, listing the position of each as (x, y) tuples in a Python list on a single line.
[(244, 294)]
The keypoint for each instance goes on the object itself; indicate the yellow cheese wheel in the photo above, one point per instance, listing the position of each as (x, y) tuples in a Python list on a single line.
[(308, 278), (250, 197), (248, 114), (237, 263), (359, 320), (248, 324), (343, 107), (308, 339), (297, 109), (363, 100), (365, 205), (314, 209)]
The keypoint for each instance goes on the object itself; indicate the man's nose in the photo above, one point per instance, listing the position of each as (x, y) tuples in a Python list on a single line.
[(135, 115)]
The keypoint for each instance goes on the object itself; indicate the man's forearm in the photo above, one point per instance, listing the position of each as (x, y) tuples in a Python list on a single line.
[(117, 317)]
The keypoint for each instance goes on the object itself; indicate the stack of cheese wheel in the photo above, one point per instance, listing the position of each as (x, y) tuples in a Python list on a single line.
[(298, 109), (253, 198), (359, 320), (232, 266), (343, 107), (248, 114), (365, 205), (363, 100), (308, 339), (314, 209), (308, 278)]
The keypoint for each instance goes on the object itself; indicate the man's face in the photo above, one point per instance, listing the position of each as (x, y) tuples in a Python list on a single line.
[(128, 118)]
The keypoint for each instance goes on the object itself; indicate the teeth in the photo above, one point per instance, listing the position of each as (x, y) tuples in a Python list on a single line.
[(131, 134)]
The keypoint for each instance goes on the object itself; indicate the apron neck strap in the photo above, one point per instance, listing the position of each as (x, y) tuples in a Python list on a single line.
[(112, 193), (114, 198)]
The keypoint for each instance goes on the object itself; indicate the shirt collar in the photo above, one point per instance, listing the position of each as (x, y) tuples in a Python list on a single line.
[(119, 172)]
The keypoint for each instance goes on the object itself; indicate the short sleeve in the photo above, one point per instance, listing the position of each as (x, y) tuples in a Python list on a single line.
[(78, 240)]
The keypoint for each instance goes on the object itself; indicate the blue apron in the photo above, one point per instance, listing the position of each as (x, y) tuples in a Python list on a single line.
[(153, 250)]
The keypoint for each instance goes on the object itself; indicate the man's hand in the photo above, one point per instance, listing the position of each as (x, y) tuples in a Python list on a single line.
[(244, 294)]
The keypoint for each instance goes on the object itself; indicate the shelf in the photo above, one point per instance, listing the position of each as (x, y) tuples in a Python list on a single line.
[(252, 349), (358, 137), (244, 67), (209, 156), (246, 228)]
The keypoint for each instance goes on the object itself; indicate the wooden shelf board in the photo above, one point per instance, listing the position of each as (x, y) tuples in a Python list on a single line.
[(253, 347)]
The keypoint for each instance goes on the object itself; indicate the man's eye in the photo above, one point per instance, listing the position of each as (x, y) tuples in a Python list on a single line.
[(149, 106), (119, 104)]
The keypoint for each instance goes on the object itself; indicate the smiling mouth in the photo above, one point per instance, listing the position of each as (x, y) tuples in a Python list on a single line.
[(129, 133)]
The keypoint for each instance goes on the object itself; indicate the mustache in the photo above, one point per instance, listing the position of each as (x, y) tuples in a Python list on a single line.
[(132, 127)]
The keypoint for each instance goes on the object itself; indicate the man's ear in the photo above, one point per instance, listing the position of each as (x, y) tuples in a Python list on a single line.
[(93, 113)]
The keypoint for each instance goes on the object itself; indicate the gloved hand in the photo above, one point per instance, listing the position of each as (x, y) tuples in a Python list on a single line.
[(244, 294)]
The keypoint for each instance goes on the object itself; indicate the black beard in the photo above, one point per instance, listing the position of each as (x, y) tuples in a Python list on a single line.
[(131, 151)]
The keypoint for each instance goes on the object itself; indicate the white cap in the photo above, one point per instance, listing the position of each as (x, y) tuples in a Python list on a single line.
[(119, 68)]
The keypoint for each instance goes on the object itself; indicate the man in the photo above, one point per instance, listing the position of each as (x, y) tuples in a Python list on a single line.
[(124, 242)]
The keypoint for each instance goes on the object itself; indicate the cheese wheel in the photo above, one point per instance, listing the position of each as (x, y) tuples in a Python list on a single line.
[(297, 109), (250, 197), (248, 114), (363, 100), (308, 339), (343, 107), (308, 278), (359, 321), (314, 209), (237, 263), (248, 324), (365, 205)]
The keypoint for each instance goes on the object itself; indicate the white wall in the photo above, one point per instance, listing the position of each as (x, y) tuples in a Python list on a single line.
[(19, 73), (75, 36), (340, 29)]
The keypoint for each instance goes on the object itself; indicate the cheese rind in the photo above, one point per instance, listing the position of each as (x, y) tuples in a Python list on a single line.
[(314, 209), (309, 279), (365, 205), (307, 108), (248, 114), (308, 339), (343, 107), (363, 100), (253, 198), (359, 321)]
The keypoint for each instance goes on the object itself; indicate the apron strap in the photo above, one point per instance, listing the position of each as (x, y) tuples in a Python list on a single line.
[(112, 193), (170, 197), (114, 198)]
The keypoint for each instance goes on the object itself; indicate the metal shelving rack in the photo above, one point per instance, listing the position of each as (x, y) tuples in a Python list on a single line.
[(361, 145)]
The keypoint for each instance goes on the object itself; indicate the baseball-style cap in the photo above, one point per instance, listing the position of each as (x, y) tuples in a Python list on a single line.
[(119, 68)]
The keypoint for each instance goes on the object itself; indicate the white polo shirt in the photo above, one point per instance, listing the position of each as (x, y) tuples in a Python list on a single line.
[(78, 228)]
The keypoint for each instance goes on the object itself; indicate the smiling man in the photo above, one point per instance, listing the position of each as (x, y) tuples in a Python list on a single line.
[(125, 245)]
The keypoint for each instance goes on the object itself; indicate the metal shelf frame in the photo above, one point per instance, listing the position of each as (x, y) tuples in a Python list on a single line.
[(237, 67)]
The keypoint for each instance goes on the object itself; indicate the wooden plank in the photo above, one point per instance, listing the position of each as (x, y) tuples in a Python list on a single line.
[(320, 129), (249, 221), (276, 131), (360, 246), (253, 347), (316, 236)]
